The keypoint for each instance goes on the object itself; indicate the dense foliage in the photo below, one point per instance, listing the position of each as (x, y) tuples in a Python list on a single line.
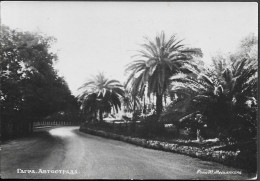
[(101, 94), (131, 101), (156, 63), (217, 101), (224, 94), (211, 101), (30, 86)]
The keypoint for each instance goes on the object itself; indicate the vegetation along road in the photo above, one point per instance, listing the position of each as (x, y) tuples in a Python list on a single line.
[(73, 154)]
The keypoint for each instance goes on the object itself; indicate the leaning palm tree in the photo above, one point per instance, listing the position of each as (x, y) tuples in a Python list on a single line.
[(156, 63), (101, 94)]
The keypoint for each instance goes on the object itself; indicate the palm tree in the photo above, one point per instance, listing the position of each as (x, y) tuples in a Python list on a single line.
[(101, 94), (130, 101), (156, 63), (221, 93)]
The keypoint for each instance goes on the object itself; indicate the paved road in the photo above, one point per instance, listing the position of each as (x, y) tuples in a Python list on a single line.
[(90, 157)]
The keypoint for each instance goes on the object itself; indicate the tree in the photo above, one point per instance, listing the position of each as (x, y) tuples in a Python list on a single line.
[(101, 94), (248, 49), (156, 63), (131, 99), (225, 93), (31, 88), (221, 94)]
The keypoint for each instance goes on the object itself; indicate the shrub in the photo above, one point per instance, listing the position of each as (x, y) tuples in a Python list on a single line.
[(65, 116), (151, 127)]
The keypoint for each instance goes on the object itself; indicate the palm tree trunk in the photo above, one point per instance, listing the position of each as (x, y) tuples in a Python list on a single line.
[(134, 106), (101, 116), (159, 102), (144, 109), (133, 118), (199, 138), (165, 100), (95, 116)]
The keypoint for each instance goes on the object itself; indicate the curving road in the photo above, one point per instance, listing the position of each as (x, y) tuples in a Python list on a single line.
[(76, 155)]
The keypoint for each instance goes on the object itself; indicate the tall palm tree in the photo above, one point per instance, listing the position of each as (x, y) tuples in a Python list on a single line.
[(156, 63), (101, 94)]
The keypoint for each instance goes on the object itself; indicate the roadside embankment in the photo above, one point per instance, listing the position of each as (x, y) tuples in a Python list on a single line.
[(230, 158)]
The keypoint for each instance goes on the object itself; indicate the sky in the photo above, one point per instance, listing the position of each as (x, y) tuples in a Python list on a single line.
[(97, 37)]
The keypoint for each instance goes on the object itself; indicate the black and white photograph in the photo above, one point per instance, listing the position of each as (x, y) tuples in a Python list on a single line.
[(129, 90)]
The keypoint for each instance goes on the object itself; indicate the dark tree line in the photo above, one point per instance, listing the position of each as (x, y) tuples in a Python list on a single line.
[(30, 87)]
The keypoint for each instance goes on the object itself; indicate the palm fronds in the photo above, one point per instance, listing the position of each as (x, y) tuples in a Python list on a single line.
[(157, 61), (101, 93)]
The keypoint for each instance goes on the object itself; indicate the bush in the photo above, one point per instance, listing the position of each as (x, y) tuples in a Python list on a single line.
[(247, 157), (62, 116), (151, 127)]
